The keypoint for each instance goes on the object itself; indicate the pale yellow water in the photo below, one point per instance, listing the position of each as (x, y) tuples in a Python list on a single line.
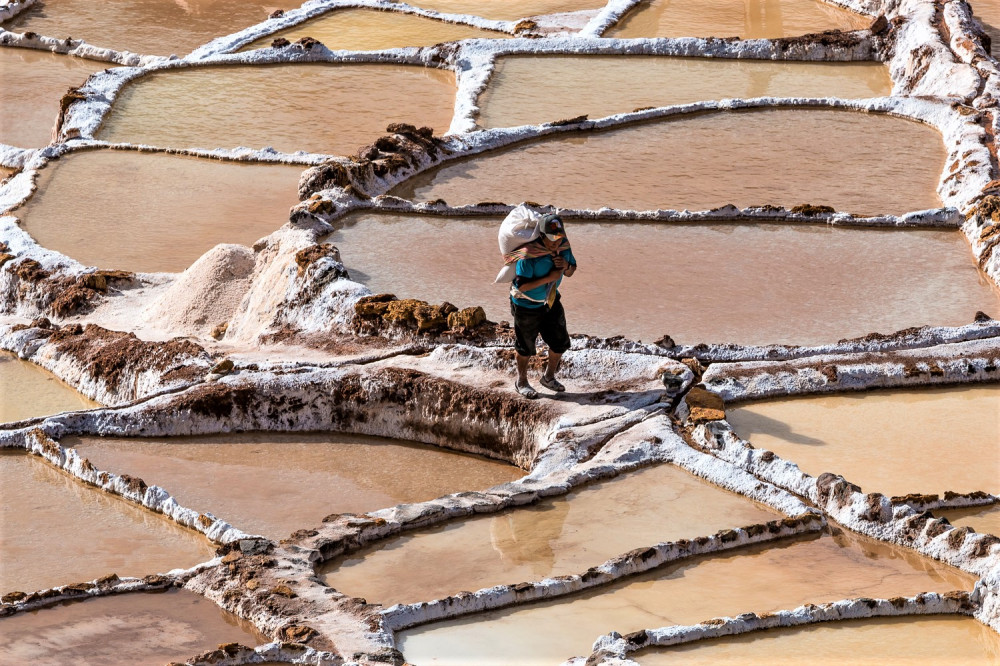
[(553, 538), (367, 30), (123, 630), (33, 84), (782, 576), (604, 85), (749, 19), (297, 479), (937, 639), (55, 530), (27, 391), (145, 26), (508, 10), (984, 519), (892, 442), (154, 212), (858, 163), (795, 284), (324, 108)]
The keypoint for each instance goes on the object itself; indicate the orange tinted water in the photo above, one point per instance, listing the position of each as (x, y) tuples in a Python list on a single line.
[(55, 530), (981, 519), (145, 26), (508, 9), (759, 579), (749, 19), (859, 163), (604, 85), (33, 83), (154, 212), (698, 283), (553, 538), (323, 108), (27, 391), (125, 630), (314, 475), (893, 442)]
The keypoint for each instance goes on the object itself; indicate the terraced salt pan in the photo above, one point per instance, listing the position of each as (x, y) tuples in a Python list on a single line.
[(981, 519), (936, 639), (508, 10), (749, 19), (826, 283), (760, 579), (145, 26), (154, 212), (892, 442), (27, 391), (366, 30), (44, 545), (553, 538), (33, 83), (313, 474), (123, 630), (605, 85), (213, 107), (774, 156)]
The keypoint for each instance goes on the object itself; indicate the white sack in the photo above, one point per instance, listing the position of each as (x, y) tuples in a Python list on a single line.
[(522, 225)]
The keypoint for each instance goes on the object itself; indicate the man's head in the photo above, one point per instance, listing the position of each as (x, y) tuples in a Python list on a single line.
[(552, 228)]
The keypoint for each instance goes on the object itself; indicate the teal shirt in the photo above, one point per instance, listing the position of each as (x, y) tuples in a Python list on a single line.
[(532, 269)]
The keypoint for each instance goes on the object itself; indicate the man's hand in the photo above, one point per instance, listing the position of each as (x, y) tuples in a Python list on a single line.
[(560, 263), (569, 271)]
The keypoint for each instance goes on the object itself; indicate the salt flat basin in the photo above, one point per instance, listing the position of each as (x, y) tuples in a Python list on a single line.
[(892, 442), (367, 30), (325, 108), (552, 538), (145, 26), (985, 519), (313, 474), (934, 639), (783, 575), (508, 10), (601, 86), (33, 84), (127, 629), (778, 283), (773, 156), (750, 19), (143, 224), (48, 521), (27, 391)]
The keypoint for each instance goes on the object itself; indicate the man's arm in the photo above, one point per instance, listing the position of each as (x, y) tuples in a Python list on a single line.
[(552, 276)]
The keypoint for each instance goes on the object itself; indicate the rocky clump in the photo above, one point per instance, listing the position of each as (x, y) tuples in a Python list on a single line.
[(384, 313), (705, 406), (80, 294), (810, 210)]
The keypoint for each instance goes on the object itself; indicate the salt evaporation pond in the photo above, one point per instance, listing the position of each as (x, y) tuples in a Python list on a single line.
[(764, 578), (27, 391), (351, 29), (553, 538), (124, 209), (858, 163), (778, 283), (893, 442), (749, 19), (144, 26), (33, 84), (988, 13), (49, 520), (984, 519), (935, 639), (601, 86), (123, 630), (315, 475), (324, 108), (508, 10)]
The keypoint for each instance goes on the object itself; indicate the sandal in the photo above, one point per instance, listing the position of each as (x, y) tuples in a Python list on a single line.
[(526, 390), (552, 384)]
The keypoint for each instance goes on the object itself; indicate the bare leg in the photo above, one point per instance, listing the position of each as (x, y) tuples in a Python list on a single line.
[(522, 369), (552, 367)]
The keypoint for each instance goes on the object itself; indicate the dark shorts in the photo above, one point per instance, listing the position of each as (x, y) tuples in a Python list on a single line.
[(550, 322)]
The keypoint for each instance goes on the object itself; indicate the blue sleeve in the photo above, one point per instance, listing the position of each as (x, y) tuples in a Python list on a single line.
[(567, 254), (523, 268)]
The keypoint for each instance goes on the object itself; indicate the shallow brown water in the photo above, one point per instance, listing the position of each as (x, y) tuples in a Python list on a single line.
[(893, 442), (27, 391), (323, 108), (553, 538), (314, 475), (774, 156), (33, 83), (604, 85), (144, 225), (794, 284), (123, 630), (937, 639), (988, 13), (368, 30), (48, 523), (749, 19), (145, 26), (758, 579), (507, 10), (984, 519)]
